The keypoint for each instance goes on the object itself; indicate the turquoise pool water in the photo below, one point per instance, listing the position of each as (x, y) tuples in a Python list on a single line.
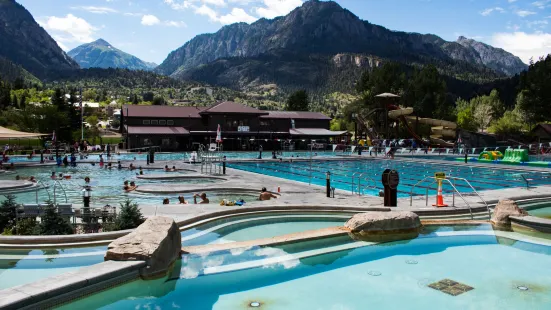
[(539, 209), (25, 266), (410, 173), (107, 184), (244, 228), (384, 276), (183, 156)]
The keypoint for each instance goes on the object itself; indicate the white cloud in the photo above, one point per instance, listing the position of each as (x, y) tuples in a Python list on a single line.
[(242, 2), (511, 1), (489, 11), (237, 15), (206, 11), (150, 20), (537, 23), (95, 9), (215, 2), (274, 8), (178, 6), (524, 45), (542, 4), (69, 29), (524, 13), (177, 24)]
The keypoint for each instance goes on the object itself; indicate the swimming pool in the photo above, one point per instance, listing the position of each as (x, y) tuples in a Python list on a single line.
[(259, 226), (182, 156), (25, 266), (354, 275), (107, 184), (539, 209), (410, 172)]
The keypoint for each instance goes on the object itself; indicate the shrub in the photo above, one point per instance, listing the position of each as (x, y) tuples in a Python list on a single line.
[(27, 226), (8, 210), (129, 216), (52, 223)]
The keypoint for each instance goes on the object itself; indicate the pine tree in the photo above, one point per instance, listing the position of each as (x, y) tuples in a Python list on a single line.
[(22, 102), (52, 223), (14, 100), (298, 101)]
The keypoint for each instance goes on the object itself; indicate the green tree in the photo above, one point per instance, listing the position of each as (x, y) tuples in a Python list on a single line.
[(8, 212), (297, 101), (510, 123), (22, 102), (465, 115), (427, 94), (93, 131), (129, 216), (14, 100), (158, 100), (51, 223)]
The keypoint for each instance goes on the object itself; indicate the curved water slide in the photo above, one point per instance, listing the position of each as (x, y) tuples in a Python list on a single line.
[(440, 130), (396, 112)]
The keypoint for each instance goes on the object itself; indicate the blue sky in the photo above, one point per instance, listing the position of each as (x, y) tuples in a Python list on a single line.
[(150, 29)]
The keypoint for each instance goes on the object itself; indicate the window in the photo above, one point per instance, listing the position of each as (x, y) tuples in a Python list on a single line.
[(146, 122), (162, 122), (154, 122), (170, 123)]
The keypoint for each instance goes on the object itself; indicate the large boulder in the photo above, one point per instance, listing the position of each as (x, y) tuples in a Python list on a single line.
[(157, 242), (502, 211), (384, 226)]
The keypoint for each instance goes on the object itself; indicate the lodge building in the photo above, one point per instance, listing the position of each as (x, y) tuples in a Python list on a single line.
[(243, 128)]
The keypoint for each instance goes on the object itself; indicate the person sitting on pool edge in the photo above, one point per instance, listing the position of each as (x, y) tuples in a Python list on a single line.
[(182, 200), (203, 197), (265, 195)]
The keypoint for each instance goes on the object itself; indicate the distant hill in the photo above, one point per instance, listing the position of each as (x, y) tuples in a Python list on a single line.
[(10, 72), (25, 43), (101, 54), (318, 40)]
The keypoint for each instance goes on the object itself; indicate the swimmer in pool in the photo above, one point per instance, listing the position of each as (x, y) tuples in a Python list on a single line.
[(203, 196), (265, 195)]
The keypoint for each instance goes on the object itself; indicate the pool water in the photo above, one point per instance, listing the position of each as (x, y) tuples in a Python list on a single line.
[(107, 184), (376, 276), (244, 228), (539, 209), (182, 156), (25, 266), (410, 173)]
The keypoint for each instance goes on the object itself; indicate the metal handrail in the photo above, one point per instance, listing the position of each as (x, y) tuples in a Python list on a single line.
[(56, 183), (44, 187), (455, 190)]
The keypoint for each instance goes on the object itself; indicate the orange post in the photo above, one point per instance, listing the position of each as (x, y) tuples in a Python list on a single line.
[(439, 197), (279, 189)]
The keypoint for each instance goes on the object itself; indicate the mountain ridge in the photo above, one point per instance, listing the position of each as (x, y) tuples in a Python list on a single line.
[(101, 54), (24, 42), (324, 27)]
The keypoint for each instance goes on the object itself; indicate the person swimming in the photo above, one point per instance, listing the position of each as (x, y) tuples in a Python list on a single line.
[(125, 186), (182, 200), (166, 168), (203, 197), (131, 167), (141, 171), (265, 195), (53, 176), (119, 165), (173, 168), (166, 201)]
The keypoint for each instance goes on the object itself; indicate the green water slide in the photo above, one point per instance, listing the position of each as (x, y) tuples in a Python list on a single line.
[(516, 156)]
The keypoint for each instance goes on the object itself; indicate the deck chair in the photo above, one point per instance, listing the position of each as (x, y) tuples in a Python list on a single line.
[(66, 210), (212, 147)]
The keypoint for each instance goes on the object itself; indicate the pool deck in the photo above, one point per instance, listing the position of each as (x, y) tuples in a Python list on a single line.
[(295, 193)]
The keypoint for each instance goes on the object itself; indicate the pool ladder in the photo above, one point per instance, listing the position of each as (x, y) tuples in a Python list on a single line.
[(359, 176), (447, 180)]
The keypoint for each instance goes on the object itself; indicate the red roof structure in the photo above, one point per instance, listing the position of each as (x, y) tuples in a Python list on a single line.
[(295, 115), (231, 107), (156, 130), (161, 111)]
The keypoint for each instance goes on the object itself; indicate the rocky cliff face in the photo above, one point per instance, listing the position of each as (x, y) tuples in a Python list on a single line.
[(494, 58), (101, 54), (323, 27), (25, 43)]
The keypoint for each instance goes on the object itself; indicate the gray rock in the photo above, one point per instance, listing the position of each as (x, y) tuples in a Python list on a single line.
[(384, 226), (157, 242), (502, 211)]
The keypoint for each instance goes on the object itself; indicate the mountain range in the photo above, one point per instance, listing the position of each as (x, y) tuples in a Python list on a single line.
[(316, 35), (25, 43), (101, 54), (319, 45)]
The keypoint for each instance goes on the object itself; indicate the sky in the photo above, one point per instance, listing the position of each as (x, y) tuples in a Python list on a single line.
[(151, 29)]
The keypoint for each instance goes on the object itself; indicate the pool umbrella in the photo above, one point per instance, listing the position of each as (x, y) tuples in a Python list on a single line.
[(218, 135)]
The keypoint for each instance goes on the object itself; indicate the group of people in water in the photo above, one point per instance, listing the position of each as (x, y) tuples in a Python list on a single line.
[(197, 199)]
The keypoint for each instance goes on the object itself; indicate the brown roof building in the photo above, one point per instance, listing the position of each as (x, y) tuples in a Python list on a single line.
[(243, 127)]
